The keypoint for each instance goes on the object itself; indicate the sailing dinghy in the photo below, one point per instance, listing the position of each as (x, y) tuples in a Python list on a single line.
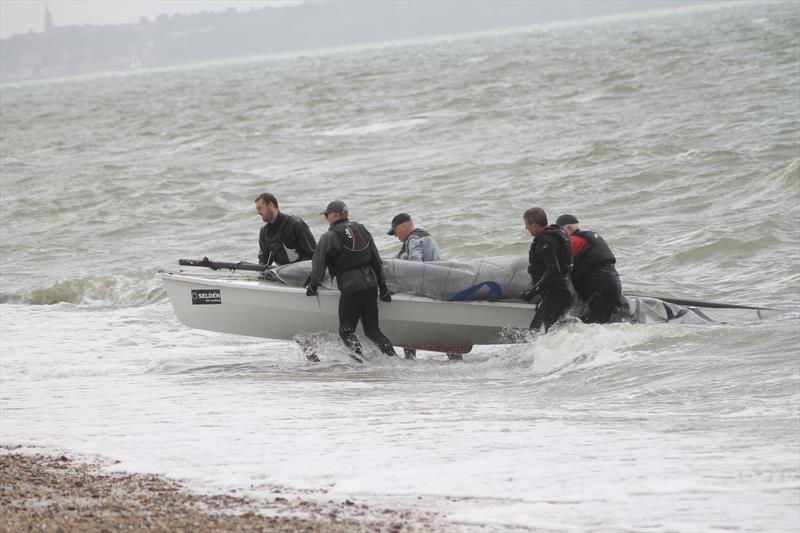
[(447, 306)]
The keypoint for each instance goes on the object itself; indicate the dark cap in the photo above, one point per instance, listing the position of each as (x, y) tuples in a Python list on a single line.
[(336, 206), (563, 220), (397, 220)]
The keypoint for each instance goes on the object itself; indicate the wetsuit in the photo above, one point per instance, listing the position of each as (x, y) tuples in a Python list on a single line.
[(286, 240), (348, 251), (550, 262), (595, 277)]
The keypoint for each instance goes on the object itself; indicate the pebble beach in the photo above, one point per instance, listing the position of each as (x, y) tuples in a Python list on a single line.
[(42, 492), (674, 134)]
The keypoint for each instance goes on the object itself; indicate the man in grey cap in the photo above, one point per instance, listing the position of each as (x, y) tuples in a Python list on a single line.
[(418, 245), (594, 274), (348, 251)]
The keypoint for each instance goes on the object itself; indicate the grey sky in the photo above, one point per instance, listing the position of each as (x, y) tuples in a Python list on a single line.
[(20, 16)]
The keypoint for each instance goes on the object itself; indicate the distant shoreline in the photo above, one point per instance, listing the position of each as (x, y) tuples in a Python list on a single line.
[(61, 493), (62, 52)]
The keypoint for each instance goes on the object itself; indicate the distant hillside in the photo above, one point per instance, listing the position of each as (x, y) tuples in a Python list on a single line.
[(171, 40)]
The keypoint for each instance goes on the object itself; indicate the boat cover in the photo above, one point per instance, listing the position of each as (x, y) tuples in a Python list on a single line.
[(506, 277)]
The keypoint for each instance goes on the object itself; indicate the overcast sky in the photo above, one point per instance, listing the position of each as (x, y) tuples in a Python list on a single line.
[(20, 16)]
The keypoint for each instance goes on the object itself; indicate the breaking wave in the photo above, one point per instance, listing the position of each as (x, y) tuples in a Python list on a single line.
[(116, 290)]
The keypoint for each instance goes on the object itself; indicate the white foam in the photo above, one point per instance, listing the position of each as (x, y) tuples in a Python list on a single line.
[(377, 127)]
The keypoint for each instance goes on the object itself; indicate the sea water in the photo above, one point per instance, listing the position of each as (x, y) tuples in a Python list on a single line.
[(676, 135)]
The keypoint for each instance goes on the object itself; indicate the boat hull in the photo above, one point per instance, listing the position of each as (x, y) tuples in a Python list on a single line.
[(273, 310)]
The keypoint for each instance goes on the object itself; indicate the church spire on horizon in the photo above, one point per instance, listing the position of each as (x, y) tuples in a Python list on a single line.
[(48, 20)]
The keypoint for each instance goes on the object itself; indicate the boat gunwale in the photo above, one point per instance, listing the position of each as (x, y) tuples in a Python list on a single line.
[(268, 285)]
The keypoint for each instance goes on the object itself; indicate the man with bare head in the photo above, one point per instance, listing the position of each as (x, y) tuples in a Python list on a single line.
[(284, 238), (550, 262)]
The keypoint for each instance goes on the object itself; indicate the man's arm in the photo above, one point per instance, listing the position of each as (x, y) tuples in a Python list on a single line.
[(377, 267), (377, 264), (414, 247), (319, 260), (263, 254), (551, 266), (304, 239)]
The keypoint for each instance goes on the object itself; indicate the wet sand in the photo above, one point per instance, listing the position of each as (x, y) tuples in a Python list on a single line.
[(40, 492)]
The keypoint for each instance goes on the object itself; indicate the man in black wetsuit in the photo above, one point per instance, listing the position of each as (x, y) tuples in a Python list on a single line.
[(594, 274), (550, 262), (348, 251), (284, 238)]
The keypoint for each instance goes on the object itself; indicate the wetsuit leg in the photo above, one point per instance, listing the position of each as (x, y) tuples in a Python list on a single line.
[(552, 308), (410, 353), (608, 290), (369, 319), (583, 287), (349, 313)]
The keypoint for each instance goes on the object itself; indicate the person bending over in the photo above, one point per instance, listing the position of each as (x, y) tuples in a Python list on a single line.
[(594, 274), (348, 251)]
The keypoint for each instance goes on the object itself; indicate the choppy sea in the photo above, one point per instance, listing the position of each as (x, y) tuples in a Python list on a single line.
[(674, 134)]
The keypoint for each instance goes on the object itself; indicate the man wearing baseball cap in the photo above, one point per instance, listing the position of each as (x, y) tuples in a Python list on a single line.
[(418, 245), (594, 274), (348, 251)]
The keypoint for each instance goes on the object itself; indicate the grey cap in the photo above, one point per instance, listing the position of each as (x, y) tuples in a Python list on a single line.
[(565, 219), (336, 206), (397, 220)]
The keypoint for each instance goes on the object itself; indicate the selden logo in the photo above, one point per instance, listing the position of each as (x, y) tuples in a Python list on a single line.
[(206, 296)]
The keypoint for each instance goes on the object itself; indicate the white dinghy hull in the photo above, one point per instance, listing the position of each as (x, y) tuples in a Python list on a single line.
[(440, 306), (277, 311)]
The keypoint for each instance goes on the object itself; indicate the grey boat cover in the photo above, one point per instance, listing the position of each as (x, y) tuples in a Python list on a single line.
[(506, 277)]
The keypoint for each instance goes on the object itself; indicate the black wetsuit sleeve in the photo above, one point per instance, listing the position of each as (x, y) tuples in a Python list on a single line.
[(263, 254), (319, 259), (304, 239), (552, 271), (377, 264)]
